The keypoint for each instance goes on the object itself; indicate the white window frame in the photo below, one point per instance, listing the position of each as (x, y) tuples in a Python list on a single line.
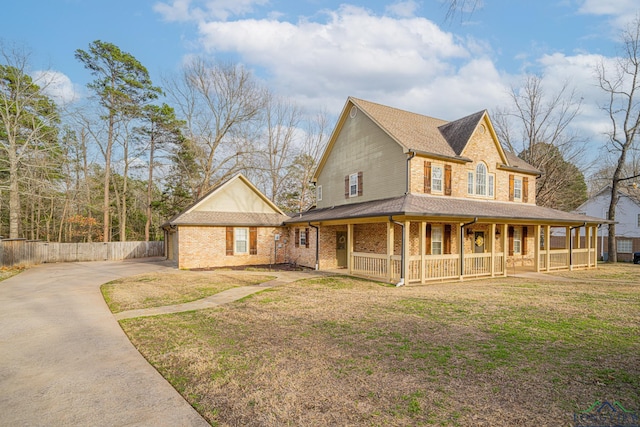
[(319, 193), (517, 241), (436, 240), (624, 246), (470, 182), (353, 185), (481, 179), (517, 188), (490, 185), (303, 238), (240, 240), (437, 184)]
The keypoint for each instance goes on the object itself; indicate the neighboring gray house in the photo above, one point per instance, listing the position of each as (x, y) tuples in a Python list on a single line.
[(627, 219)]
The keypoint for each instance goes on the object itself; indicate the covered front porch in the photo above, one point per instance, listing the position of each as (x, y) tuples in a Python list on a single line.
[(404, 250)]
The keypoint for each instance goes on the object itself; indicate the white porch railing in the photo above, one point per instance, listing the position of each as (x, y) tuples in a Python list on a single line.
[(438, 267), (446, 267), (370, 265), (580, 258), (477, 264)]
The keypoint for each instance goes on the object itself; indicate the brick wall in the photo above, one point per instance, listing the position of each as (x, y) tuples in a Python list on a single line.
[(480, 148), (204, 247)]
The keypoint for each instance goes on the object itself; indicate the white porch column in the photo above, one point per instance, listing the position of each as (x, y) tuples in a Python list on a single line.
[(390, 240), (567, 244), (587, 242), (505, 248), (423, 247), (349, 247), (594, 235), (536, 261), (406, 249), (547, 246), (492, 242)]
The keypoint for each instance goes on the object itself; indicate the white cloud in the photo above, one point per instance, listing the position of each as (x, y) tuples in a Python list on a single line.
[(189, 10), (352, 52), (403, 9), (57, 86), (609, 7)]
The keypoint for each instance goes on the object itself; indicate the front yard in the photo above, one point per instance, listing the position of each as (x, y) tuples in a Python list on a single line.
[(344, 351)]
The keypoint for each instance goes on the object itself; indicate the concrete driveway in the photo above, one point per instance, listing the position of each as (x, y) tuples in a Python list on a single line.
[(64, 361)]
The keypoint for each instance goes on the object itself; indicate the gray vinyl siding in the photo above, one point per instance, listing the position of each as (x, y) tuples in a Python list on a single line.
[(362, 146)]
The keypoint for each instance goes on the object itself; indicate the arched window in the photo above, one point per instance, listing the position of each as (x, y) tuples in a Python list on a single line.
[(481, 179)]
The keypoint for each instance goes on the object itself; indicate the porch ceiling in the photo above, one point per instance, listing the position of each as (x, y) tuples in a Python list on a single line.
[(446, 207)]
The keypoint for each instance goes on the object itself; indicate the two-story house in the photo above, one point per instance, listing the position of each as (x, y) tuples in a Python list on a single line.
[(407, 198), (627, 219)]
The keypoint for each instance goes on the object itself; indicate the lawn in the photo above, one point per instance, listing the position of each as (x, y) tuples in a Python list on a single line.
[(159, 289), (345, 351)]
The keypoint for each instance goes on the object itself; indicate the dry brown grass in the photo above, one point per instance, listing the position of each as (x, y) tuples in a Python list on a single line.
[(343, 351), (159, 289)]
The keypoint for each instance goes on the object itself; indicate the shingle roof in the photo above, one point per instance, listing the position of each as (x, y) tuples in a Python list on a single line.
[(458, 132), (434, 206), (229, 219), (411, 130), (430, 135)]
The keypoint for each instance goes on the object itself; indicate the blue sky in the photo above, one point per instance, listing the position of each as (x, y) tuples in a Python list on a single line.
[(399, 53)]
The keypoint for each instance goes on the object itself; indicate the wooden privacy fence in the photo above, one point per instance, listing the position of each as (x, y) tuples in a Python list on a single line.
[(23, 252)]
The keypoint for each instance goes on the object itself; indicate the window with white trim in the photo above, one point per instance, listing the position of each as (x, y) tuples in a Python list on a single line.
[(517, 188), (481, 179), (303, 238), (437, 175), (353, 185), (480, 182), (241, 237), (517, 241), (319, 193), (490, 185), (436, 240), (625, 246)]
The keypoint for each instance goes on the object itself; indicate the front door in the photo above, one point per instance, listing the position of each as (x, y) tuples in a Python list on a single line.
[(478, 242), (341, 248)]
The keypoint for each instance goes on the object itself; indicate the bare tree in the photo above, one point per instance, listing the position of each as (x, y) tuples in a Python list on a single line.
[(621, 83), (220, 104), (282, 120), (537, 128)]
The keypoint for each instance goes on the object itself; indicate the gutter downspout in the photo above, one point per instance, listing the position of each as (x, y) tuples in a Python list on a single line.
[(401, 282), (413, 154), (317, 245), (571, 243), (462, 244)]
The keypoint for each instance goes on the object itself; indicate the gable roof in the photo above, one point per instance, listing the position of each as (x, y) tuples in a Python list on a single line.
[(633, 193), (458, 133), (427, 135), (268, 213)]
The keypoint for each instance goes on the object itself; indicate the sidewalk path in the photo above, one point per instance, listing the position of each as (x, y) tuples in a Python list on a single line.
[(64, 361), (224, 297)]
